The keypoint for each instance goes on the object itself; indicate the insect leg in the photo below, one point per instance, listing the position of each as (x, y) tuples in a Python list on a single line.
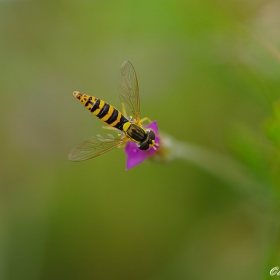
[(124, 110), (145, 119), (109, 127)]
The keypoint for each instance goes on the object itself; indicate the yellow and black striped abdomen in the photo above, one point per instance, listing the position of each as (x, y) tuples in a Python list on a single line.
[(104, 111)]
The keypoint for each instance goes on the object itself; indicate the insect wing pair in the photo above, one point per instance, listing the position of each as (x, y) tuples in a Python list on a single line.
[(129, 97)]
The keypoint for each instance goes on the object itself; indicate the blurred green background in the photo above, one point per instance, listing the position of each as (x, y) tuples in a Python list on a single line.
[(208, 73)]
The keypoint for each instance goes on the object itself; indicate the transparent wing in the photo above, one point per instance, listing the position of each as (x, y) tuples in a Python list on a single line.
[(129, 90), (93, 147)]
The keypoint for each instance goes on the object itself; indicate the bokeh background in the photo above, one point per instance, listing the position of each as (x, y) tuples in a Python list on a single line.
[(208, 73)]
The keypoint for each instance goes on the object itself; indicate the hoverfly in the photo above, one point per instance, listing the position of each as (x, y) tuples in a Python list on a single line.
[(131, 128)]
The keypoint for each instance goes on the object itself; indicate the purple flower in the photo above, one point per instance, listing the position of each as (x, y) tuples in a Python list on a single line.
[(134, 154)]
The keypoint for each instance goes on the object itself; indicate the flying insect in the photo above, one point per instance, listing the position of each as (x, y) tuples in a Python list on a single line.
[(131, 129)]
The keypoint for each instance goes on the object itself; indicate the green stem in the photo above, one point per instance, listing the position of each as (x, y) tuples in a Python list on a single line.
[(220, 166)]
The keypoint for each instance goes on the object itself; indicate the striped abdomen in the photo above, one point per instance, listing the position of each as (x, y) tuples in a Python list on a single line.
[(102, 110)]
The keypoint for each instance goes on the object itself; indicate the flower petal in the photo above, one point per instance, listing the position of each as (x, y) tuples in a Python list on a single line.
[(134, 155)]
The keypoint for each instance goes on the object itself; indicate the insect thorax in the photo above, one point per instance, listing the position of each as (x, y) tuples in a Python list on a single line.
[(135, 132)]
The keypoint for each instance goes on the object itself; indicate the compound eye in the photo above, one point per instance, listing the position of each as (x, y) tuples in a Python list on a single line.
[(152, 135), (144, 146)]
